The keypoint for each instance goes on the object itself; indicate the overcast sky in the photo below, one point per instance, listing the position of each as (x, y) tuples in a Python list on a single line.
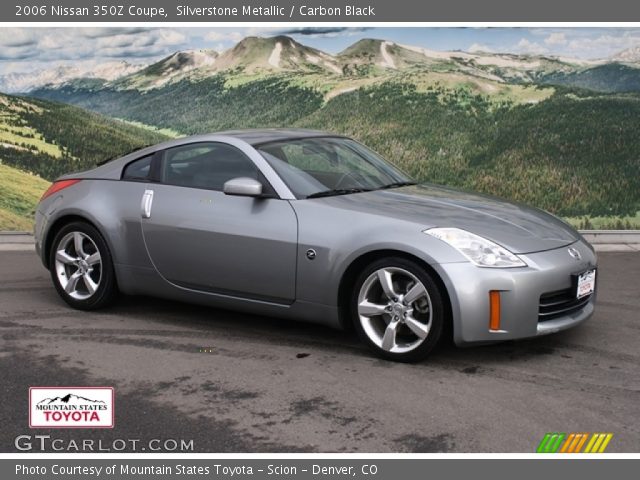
[(28, 49)]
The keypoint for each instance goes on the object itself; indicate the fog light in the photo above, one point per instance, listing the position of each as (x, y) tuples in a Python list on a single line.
[(494, 310)]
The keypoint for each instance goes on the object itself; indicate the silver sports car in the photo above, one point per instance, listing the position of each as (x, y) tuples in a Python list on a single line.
[(315, 227)]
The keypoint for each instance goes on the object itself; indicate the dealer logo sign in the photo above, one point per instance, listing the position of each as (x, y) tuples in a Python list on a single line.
[(71, 407)]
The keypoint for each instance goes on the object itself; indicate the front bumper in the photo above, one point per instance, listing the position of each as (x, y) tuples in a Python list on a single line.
[(520, 291)]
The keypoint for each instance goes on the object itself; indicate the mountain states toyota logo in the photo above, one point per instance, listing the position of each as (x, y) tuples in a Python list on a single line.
[(71, 407)]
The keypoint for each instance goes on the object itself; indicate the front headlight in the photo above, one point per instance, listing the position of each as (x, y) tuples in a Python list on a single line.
[(480, 251)]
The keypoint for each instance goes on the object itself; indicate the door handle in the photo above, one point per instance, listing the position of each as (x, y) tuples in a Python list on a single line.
[(147, 201)]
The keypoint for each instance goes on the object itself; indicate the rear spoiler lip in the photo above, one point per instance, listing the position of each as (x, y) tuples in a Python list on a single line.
[(111, 159)]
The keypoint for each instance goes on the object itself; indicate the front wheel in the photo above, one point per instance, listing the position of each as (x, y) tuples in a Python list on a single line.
[(81, 267), (398, 310)]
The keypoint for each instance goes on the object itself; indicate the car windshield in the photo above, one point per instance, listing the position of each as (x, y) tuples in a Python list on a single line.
[(325, 166)]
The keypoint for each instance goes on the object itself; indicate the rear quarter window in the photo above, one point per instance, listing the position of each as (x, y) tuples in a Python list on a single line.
[(138, 170)]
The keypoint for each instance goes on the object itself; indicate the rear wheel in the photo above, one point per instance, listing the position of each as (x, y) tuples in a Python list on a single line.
[(81, 267), (398, 309)]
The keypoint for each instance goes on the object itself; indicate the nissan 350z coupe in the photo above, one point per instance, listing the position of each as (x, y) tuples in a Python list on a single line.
[(315, 227)]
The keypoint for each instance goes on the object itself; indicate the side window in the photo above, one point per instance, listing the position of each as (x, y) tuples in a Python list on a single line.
[(206, 165), (138, 169)]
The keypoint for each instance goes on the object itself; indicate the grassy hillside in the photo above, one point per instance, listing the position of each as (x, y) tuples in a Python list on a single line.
[(19, 193), (42, 140), (50, 138)]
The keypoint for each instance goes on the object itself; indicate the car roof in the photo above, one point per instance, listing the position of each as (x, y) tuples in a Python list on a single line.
[(111, 168), (257, 136), (252, 136)]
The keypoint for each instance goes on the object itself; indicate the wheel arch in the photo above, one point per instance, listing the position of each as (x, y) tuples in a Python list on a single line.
[(58, 224), (350, 275)]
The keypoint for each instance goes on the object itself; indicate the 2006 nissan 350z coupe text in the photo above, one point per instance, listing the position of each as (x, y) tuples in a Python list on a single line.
[(315, 227)]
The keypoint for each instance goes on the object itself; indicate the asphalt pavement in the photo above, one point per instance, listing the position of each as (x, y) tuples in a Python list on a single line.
[(239, 383)]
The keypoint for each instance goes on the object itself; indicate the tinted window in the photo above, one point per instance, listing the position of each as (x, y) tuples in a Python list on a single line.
[(138, 169), (206, 165)]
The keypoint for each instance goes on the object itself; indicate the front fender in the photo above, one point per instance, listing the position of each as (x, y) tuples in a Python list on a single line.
[(341, 237)]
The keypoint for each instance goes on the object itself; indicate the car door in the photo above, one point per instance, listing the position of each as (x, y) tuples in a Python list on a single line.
[(199, 238)]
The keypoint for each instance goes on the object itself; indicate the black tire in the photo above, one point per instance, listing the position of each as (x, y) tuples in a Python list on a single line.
[(437, 309), (107, 290)]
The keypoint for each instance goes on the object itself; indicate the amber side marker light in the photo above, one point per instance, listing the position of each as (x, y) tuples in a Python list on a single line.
[(57, 186), (494, 310)]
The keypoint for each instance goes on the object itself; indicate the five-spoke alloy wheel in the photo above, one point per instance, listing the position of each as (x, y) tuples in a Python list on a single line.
[(397, 308), (81, 267)]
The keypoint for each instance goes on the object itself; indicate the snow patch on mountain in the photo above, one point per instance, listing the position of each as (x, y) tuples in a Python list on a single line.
[(387, 60), (274, 58)]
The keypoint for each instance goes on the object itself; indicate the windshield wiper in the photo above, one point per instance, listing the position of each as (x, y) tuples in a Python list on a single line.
[(337, 191), (346, 191), (397, 185)]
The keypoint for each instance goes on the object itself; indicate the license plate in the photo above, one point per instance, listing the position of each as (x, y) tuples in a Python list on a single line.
[(586, 283)]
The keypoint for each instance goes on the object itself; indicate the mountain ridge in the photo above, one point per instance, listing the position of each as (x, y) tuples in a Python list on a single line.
[(282, 54), (25, 82), (535, 129)]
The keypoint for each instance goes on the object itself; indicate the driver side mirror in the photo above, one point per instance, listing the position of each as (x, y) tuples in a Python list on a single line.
[(243, 187)]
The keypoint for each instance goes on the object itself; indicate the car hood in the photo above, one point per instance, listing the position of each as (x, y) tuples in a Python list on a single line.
[(519, 228)]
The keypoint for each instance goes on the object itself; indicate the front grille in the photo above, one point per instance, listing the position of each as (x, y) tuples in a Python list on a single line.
[(560, 303)]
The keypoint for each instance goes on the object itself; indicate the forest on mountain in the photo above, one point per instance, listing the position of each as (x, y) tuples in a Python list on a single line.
[(41, 140), (575, 153), (558, 135)]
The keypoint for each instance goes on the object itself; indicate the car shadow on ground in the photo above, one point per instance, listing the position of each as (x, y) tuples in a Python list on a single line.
[(280, 331)]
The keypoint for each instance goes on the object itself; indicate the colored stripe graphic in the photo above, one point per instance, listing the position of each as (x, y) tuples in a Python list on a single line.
[(581, 442), (551, 442), (569, 441), (556, 442), (543, 443), (591, 443), (605, 443), (598, 443)]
